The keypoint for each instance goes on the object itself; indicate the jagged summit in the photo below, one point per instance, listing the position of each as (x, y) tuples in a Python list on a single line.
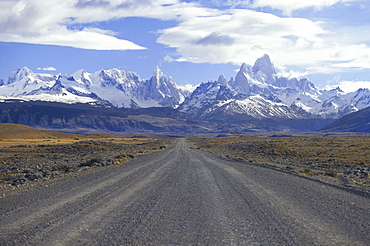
[(157, 71), (22, 74), (24, 71), (112, 87), (241, 82), (254, 93), (244, 68), (260, 93), (265, 66), (222, 80), (161, 89)]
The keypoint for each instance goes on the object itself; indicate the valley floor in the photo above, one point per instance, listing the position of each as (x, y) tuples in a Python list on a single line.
[(33, 160), (341, 159)]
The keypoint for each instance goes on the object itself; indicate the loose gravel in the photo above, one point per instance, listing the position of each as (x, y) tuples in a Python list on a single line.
[(182, 196)]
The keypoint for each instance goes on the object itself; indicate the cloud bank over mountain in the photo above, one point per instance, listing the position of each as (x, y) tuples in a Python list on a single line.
[(304, 37)]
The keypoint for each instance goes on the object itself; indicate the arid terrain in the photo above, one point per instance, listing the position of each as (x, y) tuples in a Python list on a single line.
[(184, 196), (27, 154), (100, 189), (340, 158)]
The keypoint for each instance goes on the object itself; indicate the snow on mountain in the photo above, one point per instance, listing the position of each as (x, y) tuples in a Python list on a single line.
[(241, 82), (222, 80), (212, 99), (111, 87), (24, 80), (26, 85), (203, 97), (259, 93), (161, 89), (255, 92), (264, 69), (343, 104), (256, 106)]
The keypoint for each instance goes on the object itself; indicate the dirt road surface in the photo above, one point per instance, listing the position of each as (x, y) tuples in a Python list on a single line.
[(182, 196)]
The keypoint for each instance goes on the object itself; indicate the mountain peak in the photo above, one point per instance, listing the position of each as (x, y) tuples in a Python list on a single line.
[(22, 74), (83, 76), (222, 80), (79, 73), (157, 71), (243, 68), (24, 70), (264, 65), (241, 80), (337, 89)]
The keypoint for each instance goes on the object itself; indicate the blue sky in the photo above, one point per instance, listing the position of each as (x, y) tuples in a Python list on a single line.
[(327, 41)]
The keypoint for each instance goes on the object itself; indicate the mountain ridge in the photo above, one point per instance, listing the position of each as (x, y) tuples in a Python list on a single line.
[(260, 93), (257, 97), (354, 122), (113, 87)]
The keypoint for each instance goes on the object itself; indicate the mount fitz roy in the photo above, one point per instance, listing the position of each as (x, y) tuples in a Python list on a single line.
[(258, 93), (256, 99)]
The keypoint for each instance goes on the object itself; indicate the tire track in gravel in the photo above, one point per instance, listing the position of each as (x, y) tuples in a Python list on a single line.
[(293, 224), (186, 197), (74, 203)]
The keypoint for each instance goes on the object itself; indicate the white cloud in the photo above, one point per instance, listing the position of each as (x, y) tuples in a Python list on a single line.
[(202, 35), (353, 56), (238, 36), (288, 6), (214, 38), (282, 72), (349, 86), (47, 68), (54, 22), (242, 35), (187, 87), (168, 58), (49, 22)]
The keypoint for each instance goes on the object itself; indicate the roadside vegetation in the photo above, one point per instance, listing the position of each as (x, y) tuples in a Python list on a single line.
[(342, 158), (39, 159)]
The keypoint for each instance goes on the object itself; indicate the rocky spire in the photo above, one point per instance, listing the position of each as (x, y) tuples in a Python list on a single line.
[(241, 80), (222, 80), (265, 66)]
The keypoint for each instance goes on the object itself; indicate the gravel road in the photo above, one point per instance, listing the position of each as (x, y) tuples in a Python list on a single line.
[(182, 196)]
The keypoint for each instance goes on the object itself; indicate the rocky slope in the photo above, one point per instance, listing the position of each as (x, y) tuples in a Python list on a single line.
[(85, 118), (355, 122)]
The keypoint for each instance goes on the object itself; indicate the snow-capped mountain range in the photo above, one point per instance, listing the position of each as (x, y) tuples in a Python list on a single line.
[(115, 88), (255, 92), (259, 93)]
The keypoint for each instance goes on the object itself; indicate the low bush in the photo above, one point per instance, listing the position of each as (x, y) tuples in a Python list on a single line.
[(331, 174), (91, 162)]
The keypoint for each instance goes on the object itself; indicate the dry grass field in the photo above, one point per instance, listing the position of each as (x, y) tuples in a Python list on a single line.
[(345, 158), (27, 154)]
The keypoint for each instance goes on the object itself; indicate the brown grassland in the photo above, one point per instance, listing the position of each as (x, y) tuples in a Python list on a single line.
[(343, 158), (27, 154)]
